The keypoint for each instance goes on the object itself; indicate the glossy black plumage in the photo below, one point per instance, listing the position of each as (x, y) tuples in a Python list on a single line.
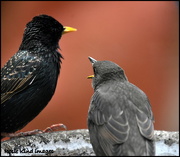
[(29, 78), (120, 120)]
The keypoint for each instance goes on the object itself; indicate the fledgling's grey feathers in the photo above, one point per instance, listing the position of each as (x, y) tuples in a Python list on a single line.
[(120, 119)]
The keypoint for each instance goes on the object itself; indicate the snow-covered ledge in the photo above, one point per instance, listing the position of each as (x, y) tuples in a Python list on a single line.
[(76, 143)]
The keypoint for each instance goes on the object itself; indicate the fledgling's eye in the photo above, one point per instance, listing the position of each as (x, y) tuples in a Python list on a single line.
[(94, 70)]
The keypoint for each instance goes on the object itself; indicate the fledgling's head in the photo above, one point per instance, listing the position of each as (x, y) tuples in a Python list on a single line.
[(105, 71)]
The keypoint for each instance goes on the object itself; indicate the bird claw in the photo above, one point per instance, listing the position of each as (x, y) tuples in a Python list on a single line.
[(33, 132), (20, 134), (52, 128), (55, 127)]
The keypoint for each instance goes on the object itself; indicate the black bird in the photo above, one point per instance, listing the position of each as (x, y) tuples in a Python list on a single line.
[(120, 120), (29, 78)]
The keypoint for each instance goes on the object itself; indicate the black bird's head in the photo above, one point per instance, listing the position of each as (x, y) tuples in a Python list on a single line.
[(43, 30), (105, 71)]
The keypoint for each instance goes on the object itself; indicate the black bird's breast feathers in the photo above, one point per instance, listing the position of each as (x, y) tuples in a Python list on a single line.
[(114, 108), (28, 82), (20, 72)]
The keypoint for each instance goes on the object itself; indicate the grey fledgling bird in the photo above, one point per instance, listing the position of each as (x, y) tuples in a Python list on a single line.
[(120, 120)]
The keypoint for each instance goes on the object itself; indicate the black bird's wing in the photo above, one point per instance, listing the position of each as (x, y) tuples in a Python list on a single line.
[(17, 74), (17, 85), (109, 121)]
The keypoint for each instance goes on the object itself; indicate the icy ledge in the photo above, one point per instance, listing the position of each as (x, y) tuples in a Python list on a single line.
[(76, 143)]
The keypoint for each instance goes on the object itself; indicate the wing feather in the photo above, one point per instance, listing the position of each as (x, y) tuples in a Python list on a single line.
[(108, 116), (17, 74), (112, 127)]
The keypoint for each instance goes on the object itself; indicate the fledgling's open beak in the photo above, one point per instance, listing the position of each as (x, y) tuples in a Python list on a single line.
[(68, 29), (92, 60), (90, 77)]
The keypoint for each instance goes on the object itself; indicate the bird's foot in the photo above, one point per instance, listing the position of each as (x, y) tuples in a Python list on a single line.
[(55, 127), (52, 128), (11, 135)]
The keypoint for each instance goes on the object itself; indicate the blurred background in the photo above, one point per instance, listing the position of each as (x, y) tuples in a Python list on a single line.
[(141, 37)]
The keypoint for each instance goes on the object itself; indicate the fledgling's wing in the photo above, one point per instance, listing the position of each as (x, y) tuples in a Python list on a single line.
[(144, 118), (109, 120), (144, 115)]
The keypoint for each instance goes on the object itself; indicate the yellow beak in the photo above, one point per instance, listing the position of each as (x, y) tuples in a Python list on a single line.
[(90, 77), (68, 29)]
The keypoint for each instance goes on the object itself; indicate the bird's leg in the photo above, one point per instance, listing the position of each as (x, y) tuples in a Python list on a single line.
[(55, 127), (52, 128), (11, 135)]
